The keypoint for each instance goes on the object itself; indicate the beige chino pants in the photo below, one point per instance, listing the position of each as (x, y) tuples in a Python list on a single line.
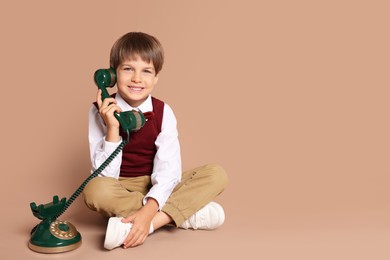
[(112, 197)]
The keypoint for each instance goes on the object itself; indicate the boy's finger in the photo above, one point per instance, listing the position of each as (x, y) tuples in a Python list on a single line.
[(141, 239), (99, 98), (108, 101), (103, 103), (132, 242), (128, 239), (128, 219), (109, 109), (118, 109), (131, 238)]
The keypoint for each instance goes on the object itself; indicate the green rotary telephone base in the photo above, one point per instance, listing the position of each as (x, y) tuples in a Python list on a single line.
[(54, 237)]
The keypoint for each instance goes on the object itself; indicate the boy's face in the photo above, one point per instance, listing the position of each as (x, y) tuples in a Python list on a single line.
[(135, 80)]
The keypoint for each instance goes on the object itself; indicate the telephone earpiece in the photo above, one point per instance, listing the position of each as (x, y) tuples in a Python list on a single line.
[(105, 78), (129, 120)]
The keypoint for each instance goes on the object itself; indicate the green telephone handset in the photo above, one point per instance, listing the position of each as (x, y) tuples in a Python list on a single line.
[(52, 235), (128, 119)]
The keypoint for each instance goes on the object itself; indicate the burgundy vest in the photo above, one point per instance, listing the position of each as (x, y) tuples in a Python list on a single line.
[(138, 154)]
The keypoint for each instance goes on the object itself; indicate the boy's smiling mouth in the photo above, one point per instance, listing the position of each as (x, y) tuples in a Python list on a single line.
[(136, 89)]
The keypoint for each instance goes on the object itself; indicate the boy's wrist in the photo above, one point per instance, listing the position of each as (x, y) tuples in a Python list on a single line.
[(151, 204), (113, 135)]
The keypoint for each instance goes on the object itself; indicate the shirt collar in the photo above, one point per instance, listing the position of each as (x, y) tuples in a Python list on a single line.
[(146, 106)]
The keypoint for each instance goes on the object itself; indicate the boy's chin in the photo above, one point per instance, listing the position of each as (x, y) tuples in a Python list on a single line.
[(135, 100)]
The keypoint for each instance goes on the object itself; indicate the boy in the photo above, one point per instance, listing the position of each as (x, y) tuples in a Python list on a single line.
[(143, 188)]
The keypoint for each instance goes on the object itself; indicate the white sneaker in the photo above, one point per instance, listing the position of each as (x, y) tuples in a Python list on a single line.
[(116, 233), (210, 216)]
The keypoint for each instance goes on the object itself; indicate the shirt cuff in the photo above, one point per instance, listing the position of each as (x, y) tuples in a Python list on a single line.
[(109, 147)]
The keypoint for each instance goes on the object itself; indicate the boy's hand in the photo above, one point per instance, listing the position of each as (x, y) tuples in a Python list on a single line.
[(141, 221), (106, 110)]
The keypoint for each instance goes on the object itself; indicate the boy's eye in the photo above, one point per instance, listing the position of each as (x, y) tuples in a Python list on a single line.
[(148, 71)]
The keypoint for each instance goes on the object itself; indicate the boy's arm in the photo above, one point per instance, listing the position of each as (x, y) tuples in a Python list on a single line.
[(167, 161), (99, 148)]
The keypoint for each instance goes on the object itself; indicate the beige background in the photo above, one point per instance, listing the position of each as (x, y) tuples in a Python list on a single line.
[(291, 97)]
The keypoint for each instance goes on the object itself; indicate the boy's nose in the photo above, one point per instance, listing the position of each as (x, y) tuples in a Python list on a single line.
[(136, 77)]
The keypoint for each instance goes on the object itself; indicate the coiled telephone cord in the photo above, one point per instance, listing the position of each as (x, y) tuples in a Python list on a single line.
[(94, 174)]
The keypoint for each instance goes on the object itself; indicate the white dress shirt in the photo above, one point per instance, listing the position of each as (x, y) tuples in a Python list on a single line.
[(167, 161)]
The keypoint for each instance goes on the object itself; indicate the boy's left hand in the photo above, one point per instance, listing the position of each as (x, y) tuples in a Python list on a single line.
[(141, 221)]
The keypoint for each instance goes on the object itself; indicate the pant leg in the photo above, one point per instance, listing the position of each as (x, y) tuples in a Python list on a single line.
[(112, 197), (197, 188)]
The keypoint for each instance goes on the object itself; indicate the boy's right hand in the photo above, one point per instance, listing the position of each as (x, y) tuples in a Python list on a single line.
[(106, 111)]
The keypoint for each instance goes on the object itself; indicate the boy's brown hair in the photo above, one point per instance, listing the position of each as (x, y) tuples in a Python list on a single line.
[(147, 47)]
